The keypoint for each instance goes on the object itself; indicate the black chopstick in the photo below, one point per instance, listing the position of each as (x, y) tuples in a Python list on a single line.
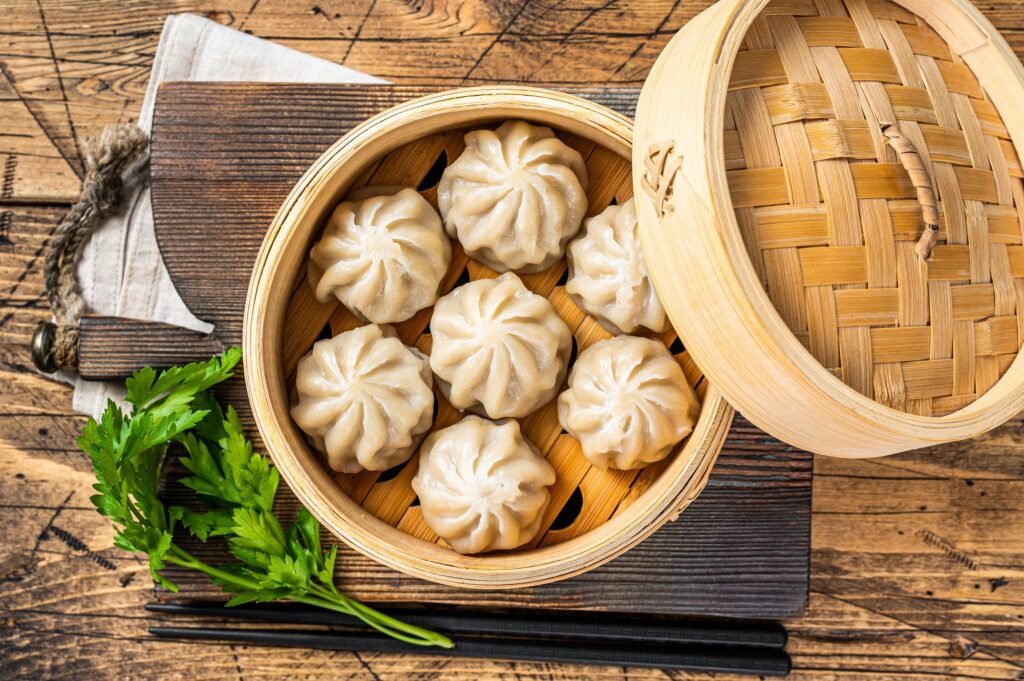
[(541, 625), (690, 658)]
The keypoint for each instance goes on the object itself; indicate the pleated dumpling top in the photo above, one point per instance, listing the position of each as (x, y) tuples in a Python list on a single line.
[(628, 403), (498, 348), (608, 275), (383, 257), (482, 486), (514, 197), (364, 398)]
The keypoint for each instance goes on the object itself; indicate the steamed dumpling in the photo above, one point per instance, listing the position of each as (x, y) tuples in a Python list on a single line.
[(482, 486), (498, 347), (383, 257), (514, 197), (628, 403), (364, 398), (608, 276)]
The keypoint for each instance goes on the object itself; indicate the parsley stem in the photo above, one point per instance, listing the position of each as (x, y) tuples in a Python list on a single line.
[(337, 602), (182, 558), (385, 623)]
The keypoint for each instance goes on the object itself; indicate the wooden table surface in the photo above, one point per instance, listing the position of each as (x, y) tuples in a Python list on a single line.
[(918, 560)]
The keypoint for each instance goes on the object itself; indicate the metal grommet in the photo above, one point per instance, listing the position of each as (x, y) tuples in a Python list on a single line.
[(42, 347)]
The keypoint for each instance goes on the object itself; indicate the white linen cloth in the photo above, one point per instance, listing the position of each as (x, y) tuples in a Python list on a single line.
[(120, 272)]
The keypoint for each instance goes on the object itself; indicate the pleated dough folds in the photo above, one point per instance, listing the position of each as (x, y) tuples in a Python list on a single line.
[(498, 348), (364, 398), (514, 197), (482, 486), (383, 257), (608, 276), (628, 403)]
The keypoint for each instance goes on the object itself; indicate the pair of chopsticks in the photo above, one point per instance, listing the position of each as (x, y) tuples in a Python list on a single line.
[(534, 637)]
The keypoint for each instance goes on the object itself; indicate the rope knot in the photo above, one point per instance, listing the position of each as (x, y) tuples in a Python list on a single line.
[(115, 163)]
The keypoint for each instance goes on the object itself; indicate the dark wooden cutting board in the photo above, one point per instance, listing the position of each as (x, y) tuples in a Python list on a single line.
[(224, 156)]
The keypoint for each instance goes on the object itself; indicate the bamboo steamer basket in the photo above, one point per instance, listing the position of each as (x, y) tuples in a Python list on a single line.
[(780, 216), (375, 513), (788, 155)]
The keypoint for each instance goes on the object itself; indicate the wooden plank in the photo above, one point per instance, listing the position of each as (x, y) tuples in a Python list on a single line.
[(112, 347), (32, 168)]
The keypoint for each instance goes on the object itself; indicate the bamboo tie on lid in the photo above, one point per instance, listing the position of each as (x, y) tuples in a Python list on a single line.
[(842, 181)]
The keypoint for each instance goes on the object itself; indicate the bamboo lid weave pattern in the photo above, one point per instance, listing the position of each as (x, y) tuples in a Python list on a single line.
[(830, 217)]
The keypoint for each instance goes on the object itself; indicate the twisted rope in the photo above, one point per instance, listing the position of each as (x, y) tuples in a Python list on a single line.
[(115, 163)]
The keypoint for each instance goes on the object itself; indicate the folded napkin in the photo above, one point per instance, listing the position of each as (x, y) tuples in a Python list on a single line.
[(120, 272)]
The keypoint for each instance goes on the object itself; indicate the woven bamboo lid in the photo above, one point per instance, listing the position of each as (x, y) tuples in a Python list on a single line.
[(789, 158)]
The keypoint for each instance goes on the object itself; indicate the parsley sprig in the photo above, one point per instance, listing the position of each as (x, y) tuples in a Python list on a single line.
[(237, 484)]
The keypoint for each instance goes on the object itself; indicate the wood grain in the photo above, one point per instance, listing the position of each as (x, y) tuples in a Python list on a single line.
[(892, 595), (110, 346)]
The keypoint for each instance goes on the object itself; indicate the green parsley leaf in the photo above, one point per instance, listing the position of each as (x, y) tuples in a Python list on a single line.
[(258, 532)]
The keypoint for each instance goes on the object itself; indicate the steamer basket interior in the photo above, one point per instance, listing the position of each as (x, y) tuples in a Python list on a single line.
[(583, 497)]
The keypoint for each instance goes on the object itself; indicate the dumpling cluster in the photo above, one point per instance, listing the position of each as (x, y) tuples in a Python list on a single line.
[(498, 347), (383, 257), (482, 486), (514, 197), (364, 398), (608, 276), (628, 403)]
